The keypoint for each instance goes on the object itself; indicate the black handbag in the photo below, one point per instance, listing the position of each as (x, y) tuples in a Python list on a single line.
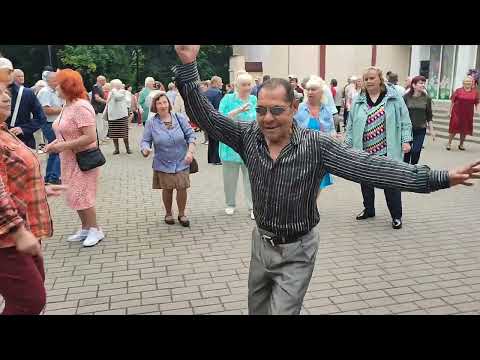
[(91, 158), (194, 163)]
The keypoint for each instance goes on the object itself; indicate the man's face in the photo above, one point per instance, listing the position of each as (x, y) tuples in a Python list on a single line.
[(52, 80), (275, 127), (19, 77), (219, 84), (294, 83), (102, 81)]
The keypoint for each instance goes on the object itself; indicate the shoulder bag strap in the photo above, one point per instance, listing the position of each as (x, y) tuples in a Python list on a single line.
[(17, 105)]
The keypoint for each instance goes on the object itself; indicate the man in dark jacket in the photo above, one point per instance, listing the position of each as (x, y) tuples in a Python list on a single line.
[(30, 116), (214, 95)]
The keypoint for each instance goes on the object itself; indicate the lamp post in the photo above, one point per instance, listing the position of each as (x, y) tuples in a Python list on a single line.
[(50, 55)]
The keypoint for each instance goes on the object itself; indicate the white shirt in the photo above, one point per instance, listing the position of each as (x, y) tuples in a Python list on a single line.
[(48, 97)]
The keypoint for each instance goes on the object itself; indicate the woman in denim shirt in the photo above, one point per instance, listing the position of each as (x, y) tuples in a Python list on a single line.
[(174, 144), (315, 114), (239, 105)]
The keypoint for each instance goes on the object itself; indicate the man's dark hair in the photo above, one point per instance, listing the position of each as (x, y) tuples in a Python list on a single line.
[(277, 82), (334, 82), (266, 78), (392, 78)]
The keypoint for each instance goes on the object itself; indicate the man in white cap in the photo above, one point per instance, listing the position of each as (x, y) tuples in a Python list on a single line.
[(27, 116), (6, 70)]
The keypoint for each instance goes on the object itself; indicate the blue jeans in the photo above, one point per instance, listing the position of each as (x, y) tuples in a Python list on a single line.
[(413, 156), (53, 163)]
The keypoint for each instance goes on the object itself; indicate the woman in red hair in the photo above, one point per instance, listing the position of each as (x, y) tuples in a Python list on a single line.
[(76, 131)]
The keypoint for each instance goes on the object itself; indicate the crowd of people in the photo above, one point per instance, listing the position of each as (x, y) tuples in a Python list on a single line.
[(284, 136)]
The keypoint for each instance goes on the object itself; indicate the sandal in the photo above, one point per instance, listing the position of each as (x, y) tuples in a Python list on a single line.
[(169, 220), (460, 147), (184, 221), (448, 147)]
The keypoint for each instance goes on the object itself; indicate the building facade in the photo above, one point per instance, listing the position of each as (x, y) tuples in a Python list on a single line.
[(327, 61), (445, 66)]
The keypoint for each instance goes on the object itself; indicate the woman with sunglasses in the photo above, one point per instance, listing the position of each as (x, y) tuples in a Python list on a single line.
[(239, 105), (314, 114)]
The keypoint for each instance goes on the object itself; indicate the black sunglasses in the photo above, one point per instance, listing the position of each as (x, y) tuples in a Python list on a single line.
[(274, 110)]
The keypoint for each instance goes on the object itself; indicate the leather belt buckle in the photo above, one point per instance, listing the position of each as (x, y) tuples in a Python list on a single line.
[(269, 239)]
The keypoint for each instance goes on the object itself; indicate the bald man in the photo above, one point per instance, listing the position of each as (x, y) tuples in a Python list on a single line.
[(19, 77)]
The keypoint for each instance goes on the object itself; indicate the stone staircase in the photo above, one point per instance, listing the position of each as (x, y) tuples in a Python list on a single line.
[(441, 121)]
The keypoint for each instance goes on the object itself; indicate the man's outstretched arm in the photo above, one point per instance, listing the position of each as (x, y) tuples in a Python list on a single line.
[(383, 172), (198, 107)]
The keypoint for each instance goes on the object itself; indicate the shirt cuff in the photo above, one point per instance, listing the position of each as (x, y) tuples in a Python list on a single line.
[(438, 179), (186, 73)]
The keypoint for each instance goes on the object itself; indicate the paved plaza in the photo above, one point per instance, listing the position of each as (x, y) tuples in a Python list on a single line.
[(144, 266)]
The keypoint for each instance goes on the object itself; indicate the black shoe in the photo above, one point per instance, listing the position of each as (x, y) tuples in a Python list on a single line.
[(364, 215), (397, 224)]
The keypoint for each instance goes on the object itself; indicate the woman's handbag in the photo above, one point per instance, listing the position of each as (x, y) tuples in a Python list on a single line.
[(88, 159), (194, 163)]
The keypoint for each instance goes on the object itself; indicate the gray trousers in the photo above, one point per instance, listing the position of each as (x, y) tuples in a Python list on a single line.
[(279, 276), (231, 171), (102, 126)]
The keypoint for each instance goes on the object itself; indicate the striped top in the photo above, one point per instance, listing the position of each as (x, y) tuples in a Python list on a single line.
[(284, 191), (374, 136)]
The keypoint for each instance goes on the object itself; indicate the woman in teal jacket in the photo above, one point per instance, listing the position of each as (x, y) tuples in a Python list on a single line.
[(239, 105), (379, 124)]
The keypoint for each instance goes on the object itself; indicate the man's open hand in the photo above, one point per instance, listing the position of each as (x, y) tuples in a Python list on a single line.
[(187, 53), (460, 176)]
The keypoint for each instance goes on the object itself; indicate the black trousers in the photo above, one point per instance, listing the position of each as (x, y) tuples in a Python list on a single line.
[(345, 117), (213, 157), (393, 197)]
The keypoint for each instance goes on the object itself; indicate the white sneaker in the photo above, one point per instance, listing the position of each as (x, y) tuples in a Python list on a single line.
[(94, 237), (229, 210), (252, 215), (80, 235)]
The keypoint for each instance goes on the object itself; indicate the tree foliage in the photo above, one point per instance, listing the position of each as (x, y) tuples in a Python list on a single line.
[(116, 61)]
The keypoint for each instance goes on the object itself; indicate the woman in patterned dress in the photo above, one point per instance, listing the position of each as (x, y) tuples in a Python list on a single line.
[(75, 130), (379, 123)]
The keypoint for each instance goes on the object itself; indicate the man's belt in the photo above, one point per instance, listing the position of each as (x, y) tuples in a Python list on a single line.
[(275, 240)]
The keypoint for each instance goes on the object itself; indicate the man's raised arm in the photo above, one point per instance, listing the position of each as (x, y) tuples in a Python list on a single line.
[(197, 105)]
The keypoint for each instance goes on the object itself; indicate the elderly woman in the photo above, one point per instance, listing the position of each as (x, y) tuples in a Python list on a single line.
[(379, 124), (464, 101), (24, 221), (117, 109), (316, 115), (75, 132), (174, 144), (240, 105), (149, 86), (419, 106)]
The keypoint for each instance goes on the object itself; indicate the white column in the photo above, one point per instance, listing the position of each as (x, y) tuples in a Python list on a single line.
[(415, 60), (465, 61)]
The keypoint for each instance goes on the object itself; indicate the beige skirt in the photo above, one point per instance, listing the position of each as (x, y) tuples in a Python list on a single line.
[(165, 181)]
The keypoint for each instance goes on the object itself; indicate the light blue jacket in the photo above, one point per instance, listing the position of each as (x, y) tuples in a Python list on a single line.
[(397, 123), (326, 124), (229, 103)]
